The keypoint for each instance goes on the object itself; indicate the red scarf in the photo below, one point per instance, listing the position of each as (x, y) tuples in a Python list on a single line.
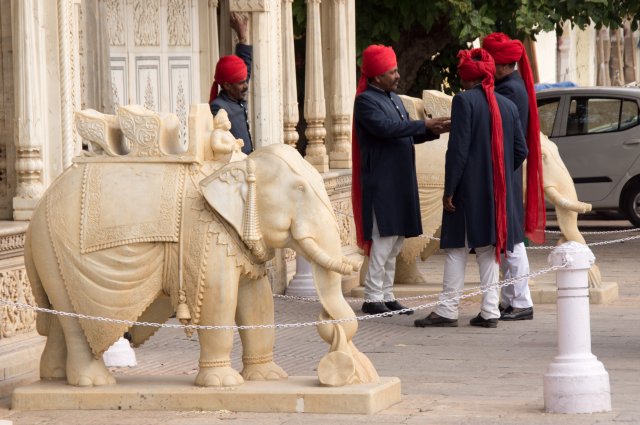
[(376, 60), (505, 50), (478, 64), (229, 69)]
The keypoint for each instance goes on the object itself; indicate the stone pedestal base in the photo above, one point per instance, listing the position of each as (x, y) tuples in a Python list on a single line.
[(19, 361), (546, 293), (294, 395), (541, 293), (573, 386)]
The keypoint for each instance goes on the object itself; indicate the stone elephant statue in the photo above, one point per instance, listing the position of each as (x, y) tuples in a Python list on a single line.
[(138, 237)]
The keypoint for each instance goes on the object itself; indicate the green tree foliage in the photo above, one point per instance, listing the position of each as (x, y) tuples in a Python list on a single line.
[(427, 34)]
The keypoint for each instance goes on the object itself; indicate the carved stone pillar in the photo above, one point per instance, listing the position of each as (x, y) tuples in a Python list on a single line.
[(266, 84), (342, 97), (290, 94), (30, 107), (314, 104), (69, 78), (20, 345), (96, 78), (213, 35)]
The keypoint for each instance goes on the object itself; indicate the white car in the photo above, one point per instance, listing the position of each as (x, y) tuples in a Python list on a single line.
[(597, 131)]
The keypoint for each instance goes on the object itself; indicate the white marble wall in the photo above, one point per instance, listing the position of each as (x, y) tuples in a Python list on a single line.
[(155, 54)]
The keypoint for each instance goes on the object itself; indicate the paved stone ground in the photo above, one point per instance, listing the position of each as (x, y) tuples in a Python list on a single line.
[(462, 375)]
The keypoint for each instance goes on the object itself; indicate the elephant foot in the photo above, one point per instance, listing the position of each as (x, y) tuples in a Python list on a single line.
[(263, 372), (94, 373), (224, 376)]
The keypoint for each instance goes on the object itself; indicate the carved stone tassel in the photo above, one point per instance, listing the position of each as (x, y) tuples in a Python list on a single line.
[(182, 312), (251, 228)]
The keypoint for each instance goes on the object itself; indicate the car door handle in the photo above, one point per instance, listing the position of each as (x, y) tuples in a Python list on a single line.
[(632, 142)]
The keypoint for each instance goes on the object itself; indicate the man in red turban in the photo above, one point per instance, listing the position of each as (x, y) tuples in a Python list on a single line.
[(385, 190), (485, 146), (518, 87), (232, 74)]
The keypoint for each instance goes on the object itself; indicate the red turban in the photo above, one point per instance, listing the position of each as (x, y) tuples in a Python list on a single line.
[(505, 50), (376, 60), (474, 65), (229, 69)]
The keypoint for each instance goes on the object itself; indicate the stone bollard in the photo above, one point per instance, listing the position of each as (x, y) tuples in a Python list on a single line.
[(575, 382), (301, 284)]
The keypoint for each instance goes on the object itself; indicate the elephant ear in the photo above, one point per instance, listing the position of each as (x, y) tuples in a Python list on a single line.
[(226, 192)]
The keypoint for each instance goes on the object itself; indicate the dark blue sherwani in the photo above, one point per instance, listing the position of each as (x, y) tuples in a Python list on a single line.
[(386, 136), (469, 172), (237, 110), (512, 87)]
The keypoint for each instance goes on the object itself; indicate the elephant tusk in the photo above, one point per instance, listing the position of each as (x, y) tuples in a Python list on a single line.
[(316, 254)]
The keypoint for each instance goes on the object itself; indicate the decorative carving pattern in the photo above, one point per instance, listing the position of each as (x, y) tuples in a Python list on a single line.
[(162, 219), (178, 22), (145, 133), (345, 222), (14, 286), (289, 255), (181, 112), (147, 22), (116, 96), (149, 99), (250, 5), (115, 19), (12, 242)]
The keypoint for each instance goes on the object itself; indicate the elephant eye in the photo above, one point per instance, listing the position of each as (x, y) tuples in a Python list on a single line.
[(300, 188)]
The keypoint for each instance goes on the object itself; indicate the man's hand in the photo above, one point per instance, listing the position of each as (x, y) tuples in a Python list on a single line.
[(239, 24), (438, 125), (447, 203)]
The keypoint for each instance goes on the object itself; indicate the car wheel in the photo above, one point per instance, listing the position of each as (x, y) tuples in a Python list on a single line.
[(631, 204)]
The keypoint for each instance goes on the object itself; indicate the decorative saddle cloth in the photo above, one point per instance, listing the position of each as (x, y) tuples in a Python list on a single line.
[(130, 203)]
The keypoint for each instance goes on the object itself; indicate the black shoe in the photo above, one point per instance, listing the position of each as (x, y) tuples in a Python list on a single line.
[(504, 309), (525, 313), (375, 308), (485, 323), (395, 306), (437, 321)]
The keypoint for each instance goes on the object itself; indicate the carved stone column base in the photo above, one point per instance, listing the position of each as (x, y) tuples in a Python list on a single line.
[(19, 361), (320, 162), (23, 208), (340, 160)]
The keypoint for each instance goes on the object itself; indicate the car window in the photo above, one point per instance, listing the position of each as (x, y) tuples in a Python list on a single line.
[(547, 109), (589, 115)]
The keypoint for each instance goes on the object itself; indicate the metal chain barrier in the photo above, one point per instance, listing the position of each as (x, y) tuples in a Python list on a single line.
[(130, 323), (503, 283), (629, 238)]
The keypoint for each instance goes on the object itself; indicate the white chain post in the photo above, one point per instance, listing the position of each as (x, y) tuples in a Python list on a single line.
[(301, 284), (575, 382)]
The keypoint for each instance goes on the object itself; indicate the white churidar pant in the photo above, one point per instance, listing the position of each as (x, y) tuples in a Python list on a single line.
[(453, 281), (516, 264), (378, 283)]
